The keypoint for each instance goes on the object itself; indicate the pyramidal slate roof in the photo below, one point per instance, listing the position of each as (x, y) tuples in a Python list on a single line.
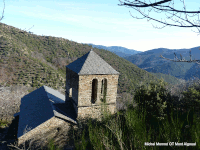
[(91, 63), (40, 106)]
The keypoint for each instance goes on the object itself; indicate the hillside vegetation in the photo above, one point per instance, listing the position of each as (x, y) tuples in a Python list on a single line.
[(32, 60), (169, 78)]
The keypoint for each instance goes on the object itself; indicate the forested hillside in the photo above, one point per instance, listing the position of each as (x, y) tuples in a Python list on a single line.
[(169, 79), (32, 60), (152, 62)]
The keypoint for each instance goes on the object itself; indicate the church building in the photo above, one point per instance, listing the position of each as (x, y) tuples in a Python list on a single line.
[(90, 82)]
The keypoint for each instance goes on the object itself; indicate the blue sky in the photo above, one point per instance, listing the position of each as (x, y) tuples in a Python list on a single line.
[(101, 22)]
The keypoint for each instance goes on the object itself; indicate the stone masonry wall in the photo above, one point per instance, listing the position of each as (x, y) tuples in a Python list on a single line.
[(85, 91), (42, 129), (95, 111), (82, 90), (72, 82)]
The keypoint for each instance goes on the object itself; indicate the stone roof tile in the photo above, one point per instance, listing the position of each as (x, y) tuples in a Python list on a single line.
[(91, 63), (41, 105)]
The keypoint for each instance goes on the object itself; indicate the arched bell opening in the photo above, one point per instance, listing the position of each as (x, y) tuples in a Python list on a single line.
[(103, 90), (94, 90)]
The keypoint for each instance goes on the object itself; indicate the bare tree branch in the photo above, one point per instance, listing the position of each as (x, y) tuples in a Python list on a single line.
[(169, 10), (181, 57), (183, 60), (3, 11), (27, 29), (144, 4), (156, 4), (3, 17)]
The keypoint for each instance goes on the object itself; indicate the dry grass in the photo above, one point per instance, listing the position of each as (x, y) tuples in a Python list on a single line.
[(10, 100)]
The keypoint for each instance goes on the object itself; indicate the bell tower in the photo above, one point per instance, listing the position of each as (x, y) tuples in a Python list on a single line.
[(91, 81)]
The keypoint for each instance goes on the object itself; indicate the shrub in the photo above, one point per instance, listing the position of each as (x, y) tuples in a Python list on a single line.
[(153, 98), (191, 99), (3, 123)]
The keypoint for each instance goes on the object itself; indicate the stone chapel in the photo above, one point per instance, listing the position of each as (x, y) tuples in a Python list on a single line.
[(90, 81)]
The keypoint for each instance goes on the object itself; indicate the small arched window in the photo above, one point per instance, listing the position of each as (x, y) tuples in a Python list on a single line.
[(94, 90), (104, 89)]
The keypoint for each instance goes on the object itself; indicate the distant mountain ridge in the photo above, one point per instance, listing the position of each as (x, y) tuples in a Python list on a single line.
[(118, 50), (152, 62)]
